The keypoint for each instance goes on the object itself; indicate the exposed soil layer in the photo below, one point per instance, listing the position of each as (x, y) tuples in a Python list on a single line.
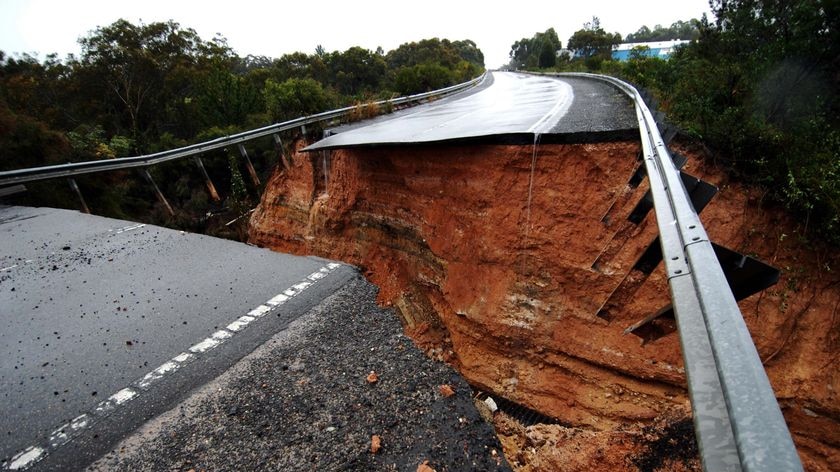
[(518, 268)]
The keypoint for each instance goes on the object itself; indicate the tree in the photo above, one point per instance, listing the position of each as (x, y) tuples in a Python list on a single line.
[(592, 40), (687, 30), (356, 71), (224, 99), (422, 78), (138, 65), (295, 97), (760, 87), (539, 50)]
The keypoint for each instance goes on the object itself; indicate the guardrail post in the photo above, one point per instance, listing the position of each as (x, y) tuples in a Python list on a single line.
[(210, 187), (278, 144), (159, 194), (250, 166), (75, 188)]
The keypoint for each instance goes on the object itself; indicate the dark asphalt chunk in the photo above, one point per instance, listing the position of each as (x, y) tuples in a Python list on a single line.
[(302, 402)]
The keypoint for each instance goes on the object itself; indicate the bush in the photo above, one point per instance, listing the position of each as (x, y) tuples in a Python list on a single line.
[(296, 97), (423, 78)]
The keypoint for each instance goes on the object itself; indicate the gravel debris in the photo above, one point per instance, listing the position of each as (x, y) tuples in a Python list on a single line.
[(304, 401)]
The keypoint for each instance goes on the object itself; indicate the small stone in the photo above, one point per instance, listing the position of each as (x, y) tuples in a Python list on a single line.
[(491, 404), (330, 429), (446, 390), (424, 467), (372, 378), (375, 443)]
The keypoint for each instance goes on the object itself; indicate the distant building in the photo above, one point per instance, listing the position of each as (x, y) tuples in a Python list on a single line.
[(660, 49)]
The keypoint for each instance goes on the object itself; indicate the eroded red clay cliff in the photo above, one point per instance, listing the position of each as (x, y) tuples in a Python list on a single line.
[(524, 280)]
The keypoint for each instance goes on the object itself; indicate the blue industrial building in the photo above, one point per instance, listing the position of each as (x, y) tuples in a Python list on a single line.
[(660, 49)]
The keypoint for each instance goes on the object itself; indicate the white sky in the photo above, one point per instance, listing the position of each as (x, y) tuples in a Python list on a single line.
[(273, 28)]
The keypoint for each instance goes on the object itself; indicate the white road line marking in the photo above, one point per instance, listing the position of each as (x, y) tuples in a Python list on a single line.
[(278, 300), (301, 286), (221, 335), (240, 323), (104, 406), (65, 433), (204, 346), (26, 458), (560, 108), (123, 396), (129, 228), (59, 436), (157, 374), (259, 311), (182, 357), (8, 268), (79, 422)]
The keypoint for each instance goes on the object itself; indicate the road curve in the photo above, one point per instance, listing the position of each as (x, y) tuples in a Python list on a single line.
[(507, 105)]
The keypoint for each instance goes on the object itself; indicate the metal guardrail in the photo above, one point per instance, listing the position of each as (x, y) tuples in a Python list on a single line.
[(33, 174), (737, 420)]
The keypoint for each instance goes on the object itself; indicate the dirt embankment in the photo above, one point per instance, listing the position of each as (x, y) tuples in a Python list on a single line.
[(519, 270)]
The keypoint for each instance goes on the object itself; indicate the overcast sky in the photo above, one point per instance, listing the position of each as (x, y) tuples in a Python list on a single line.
[(273, 28)]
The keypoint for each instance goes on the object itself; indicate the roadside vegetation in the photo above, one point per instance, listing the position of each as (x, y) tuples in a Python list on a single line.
[(142, 88), (758, 86)]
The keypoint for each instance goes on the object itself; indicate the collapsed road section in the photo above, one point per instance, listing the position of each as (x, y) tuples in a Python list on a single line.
[(529, 268)]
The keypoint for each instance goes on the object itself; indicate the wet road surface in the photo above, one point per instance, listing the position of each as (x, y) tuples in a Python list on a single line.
[(506, 106), (106, 323)]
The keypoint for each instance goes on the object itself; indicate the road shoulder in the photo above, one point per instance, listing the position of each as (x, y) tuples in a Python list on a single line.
[(305, 401)]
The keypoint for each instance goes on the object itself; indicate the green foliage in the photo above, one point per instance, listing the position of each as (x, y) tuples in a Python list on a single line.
[(435, 51), (90, 142), (593, 41), (142, 88), (538, 51), (760, 87), (25, 141), (295, 97), (433, 63), (687, 30), (142, 70), (422, 78)]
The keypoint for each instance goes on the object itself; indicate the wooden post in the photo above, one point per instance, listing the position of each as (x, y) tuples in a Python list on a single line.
[(159, 194), (250, 166), (210, 187), (75, 188)]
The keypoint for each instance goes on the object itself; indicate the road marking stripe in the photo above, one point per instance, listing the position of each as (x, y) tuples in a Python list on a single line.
[(64, 434), (26, 458), (240, 323), (129, 228), (562, 105), (155, 375), (204, 346)]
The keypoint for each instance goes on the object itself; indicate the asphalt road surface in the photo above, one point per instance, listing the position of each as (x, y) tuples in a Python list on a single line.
[(507, 106), (106, 323)]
